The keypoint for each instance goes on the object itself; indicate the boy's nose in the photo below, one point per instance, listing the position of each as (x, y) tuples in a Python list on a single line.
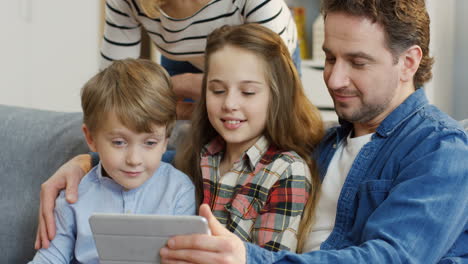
[(133, 157)]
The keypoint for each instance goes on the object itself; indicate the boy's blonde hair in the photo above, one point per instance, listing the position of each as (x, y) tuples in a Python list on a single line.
[(138, 91), (293, 122)]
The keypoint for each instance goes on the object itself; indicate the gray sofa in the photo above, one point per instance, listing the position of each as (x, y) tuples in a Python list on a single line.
[(33, 144)]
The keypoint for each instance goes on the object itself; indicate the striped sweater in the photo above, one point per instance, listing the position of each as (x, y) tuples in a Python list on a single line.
[(185, 39)]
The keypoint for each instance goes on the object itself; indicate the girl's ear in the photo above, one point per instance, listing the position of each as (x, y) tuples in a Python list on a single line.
[(89, 138), (410, 62)]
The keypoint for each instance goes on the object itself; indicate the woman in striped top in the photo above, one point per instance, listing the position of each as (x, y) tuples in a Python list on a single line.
[(179, 29), (251, 137)]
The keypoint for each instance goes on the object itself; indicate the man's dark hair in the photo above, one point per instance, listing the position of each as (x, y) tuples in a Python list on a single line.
[(405, 22)]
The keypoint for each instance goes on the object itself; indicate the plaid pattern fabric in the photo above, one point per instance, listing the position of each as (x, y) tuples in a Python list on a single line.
[(261, 198)]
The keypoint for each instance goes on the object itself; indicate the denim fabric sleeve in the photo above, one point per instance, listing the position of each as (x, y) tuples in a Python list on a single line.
[(62, 246), (423, 215)]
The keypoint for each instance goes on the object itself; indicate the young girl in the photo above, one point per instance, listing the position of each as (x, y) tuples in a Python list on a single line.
[(251, 137)]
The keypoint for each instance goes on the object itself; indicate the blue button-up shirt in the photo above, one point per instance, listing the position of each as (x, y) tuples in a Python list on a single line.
[(168, 191), (405, 199)]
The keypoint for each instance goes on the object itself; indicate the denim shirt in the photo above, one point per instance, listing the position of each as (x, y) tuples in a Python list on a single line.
[(405, 197)]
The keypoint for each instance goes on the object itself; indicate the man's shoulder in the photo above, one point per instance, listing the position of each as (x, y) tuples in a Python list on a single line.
[(433, 116), (433, 124)]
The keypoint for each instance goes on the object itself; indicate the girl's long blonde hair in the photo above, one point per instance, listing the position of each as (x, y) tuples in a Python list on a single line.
[(293, 122)]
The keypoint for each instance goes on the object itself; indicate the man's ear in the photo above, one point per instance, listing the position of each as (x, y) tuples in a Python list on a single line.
[(89, 138), (410, 62)]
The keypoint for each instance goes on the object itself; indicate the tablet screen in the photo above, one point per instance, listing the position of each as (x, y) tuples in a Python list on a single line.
[(130, 238)]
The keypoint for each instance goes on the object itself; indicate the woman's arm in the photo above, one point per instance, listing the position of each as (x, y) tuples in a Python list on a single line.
[(274, 15), (68, 176), (122, 33), (186, 85)]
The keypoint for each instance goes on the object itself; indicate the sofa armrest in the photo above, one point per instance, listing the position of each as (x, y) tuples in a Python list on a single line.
[(33, 145)]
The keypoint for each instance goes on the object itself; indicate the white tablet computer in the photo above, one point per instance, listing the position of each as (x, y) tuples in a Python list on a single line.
[(127, 238)]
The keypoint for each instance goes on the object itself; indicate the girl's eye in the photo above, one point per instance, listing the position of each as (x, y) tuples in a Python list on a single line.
[(248, 93), (218, 91)]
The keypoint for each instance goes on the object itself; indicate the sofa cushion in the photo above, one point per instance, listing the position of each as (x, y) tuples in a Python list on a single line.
[(33, 145)]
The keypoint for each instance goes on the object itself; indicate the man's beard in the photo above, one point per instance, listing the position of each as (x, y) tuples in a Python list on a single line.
[(364, 114)]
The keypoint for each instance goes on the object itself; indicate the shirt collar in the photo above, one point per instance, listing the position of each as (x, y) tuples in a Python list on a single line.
[(408, 108), (253, 155)]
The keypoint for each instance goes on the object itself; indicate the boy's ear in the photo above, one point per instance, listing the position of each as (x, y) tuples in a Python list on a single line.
[(410, 62), (89, 138), (166, 142)]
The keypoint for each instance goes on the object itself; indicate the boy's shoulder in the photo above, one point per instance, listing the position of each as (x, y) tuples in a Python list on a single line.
[(168, 172), (86, 185)]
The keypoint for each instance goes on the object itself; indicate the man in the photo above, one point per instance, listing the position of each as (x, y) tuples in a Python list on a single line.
[(395, 173)]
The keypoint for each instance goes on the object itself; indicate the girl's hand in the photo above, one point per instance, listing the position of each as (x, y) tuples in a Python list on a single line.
[(68, 176), (221, 247)]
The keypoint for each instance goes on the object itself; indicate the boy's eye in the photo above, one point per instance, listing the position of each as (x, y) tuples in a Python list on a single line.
[(151, 143), (118, 142)]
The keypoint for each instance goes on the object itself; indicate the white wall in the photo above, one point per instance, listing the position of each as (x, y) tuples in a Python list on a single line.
[(460, 73), (440, 88), (449, 43), (51, 47)]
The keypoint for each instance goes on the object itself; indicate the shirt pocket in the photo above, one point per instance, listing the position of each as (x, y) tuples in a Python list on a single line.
[(370, 195), (244, 206)]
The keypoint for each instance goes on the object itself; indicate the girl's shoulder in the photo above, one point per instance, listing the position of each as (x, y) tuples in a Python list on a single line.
[(274, 153)]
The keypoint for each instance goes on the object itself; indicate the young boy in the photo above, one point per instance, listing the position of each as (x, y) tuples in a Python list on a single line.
[(129, 112)]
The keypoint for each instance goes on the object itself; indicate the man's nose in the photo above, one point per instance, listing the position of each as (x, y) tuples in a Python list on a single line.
[(337, 76)]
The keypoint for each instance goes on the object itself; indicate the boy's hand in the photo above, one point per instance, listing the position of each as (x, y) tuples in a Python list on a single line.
[(221, 247), (67, 176)]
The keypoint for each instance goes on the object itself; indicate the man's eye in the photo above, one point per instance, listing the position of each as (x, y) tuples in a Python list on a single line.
[(330, 60), (359, 64)]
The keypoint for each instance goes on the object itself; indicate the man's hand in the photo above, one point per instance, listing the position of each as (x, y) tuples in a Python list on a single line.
[(68, 176), (221, 247)]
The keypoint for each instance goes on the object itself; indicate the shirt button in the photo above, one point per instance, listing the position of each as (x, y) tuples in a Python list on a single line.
[(334, 146)]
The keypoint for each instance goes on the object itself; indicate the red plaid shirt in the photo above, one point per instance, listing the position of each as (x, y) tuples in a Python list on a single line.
[(261, 198)]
